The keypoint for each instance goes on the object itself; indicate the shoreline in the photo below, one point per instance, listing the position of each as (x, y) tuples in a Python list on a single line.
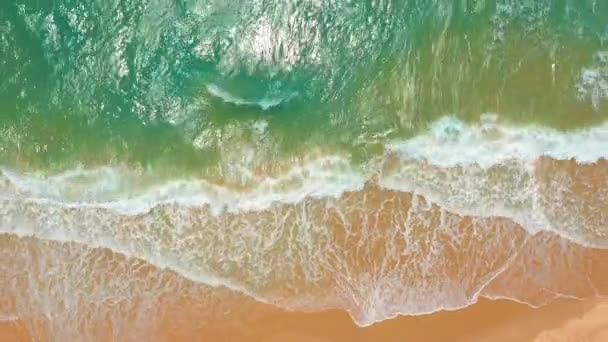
[(487, 320)]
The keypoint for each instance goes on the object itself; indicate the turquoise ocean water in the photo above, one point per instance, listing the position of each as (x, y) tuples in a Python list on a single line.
[(175, 85)]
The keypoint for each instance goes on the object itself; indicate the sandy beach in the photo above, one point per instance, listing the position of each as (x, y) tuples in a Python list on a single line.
[(193, 312)]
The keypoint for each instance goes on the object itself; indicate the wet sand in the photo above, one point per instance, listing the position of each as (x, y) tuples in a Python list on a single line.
[(592, 326), (485, 321), (189, 311)]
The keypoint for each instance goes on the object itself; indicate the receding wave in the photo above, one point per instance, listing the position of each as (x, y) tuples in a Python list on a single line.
[(410, 234)]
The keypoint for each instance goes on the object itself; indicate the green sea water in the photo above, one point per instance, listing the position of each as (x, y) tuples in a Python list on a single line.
[(191, 86)]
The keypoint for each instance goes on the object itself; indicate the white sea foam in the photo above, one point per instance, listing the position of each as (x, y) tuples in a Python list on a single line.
[(490, 170), (329, 176), (593, 81), (450, 143), (484, 170), (264, 103), (55, 233)]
